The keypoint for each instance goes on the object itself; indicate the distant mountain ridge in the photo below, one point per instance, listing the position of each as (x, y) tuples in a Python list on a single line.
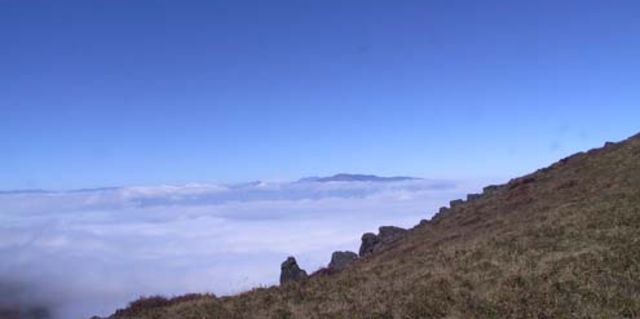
[(343, 177)]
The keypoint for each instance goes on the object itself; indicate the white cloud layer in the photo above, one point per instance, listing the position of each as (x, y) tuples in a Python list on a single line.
[(88, 252)]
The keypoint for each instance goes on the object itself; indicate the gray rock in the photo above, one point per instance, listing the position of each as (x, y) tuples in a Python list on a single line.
[(341, 259), (386, 234), (490, 189), (471, 197), (455, 203), (369, 242), (441, 212), (290, 272)]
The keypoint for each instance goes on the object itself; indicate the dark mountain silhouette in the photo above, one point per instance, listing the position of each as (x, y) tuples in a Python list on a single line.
[(357, 178)]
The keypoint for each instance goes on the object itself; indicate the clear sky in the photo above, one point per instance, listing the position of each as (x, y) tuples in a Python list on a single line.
[(100, 93)]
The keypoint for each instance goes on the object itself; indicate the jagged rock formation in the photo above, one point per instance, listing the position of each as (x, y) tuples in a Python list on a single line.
[(290, 272), (455, 203), (471, 197), (422, 222), (369, 242), (490, 189), (386, 234), (391, 233), (341, 259)]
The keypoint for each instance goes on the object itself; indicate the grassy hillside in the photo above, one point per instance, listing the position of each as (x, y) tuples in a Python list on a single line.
[(563, 242)]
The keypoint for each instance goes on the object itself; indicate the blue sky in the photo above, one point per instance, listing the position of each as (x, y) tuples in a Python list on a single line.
[(96, 93)]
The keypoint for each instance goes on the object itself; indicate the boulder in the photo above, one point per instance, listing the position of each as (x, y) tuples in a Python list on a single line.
[(442, 211), (520, 181), (389, 234), (386, 234), (471, 197), (455, 203), (490, 189), (341, 259), (290, 272), (369, 242)]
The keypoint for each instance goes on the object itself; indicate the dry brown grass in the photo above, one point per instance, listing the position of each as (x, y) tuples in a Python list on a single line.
[(563, 242)]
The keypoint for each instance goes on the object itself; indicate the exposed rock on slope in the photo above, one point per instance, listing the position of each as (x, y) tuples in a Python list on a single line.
[(563, 242), (372, 243), (341, 259), (290, 272), (369, 242)]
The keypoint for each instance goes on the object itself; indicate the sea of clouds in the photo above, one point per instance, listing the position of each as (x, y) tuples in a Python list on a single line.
[(80, 253)]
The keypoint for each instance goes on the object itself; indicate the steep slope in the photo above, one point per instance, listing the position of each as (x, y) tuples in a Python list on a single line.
[(563, 242)]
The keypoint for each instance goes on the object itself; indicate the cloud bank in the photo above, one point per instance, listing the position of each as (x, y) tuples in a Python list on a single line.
[(79, 253)]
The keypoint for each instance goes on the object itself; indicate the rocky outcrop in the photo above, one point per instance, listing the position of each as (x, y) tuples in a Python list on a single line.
[(369, 242), (341, 259), (441, 212), (471, 197), (455, 203), (490, 189), (391, 233), (386, 234), (290, 272)]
